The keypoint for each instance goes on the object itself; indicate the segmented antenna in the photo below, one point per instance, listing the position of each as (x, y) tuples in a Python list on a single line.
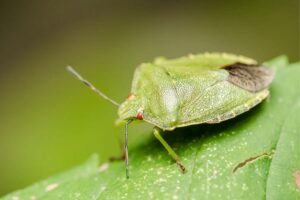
[(91, 86)]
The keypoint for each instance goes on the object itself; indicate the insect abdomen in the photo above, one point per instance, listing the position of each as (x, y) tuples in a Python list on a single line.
[(259, 97)]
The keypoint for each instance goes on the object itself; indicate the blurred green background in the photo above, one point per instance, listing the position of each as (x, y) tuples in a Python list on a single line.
[(49, 121)]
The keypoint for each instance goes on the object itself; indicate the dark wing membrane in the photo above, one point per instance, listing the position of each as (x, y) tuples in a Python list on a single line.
[(253, 78)]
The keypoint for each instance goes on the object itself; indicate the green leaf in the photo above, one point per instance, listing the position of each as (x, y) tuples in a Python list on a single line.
[(253, 156)]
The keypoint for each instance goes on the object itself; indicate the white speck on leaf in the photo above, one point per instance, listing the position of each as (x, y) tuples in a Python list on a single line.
[(77, 194), (103, 167), (51, 187), (149, 159), (244, 187), (103, 188)]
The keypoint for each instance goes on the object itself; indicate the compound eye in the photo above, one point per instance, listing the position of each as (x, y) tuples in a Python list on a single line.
[(140, 115)]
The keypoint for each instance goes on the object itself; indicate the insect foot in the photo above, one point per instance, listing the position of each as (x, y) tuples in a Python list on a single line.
[(181, 167), (117, 158)]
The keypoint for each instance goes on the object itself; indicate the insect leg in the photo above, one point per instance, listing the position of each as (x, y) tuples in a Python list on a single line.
[(126, 148), (169, 149)]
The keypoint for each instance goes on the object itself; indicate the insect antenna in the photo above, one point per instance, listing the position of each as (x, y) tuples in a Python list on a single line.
[(90, 85), (126, 148)]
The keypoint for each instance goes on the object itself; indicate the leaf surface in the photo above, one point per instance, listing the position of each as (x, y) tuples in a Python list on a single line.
[(253, 156)]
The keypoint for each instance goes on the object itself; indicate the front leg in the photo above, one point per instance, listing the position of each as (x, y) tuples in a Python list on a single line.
[(169, 149)]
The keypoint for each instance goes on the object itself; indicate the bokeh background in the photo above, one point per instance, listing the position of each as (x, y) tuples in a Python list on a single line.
[(49, 121)]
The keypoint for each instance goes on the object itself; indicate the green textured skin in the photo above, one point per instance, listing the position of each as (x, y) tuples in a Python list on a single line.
[(188, 90)]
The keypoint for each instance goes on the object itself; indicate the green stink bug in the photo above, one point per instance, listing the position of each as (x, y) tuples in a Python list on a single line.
[(204, 88)]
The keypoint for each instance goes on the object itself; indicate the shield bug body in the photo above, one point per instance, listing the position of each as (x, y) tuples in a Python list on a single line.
[(204, 88)]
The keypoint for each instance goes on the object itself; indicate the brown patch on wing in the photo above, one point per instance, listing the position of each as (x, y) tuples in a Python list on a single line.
[(250, 77)]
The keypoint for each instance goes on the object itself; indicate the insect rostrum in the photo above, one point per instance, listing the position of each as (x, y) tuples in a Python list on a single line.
[(196, 89)]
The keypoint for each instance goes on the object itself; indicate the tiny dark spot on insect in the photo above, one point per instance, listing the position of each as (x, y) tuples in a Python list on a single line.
[(86, 83), (297, 178), (167, 73), (140, 115)]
